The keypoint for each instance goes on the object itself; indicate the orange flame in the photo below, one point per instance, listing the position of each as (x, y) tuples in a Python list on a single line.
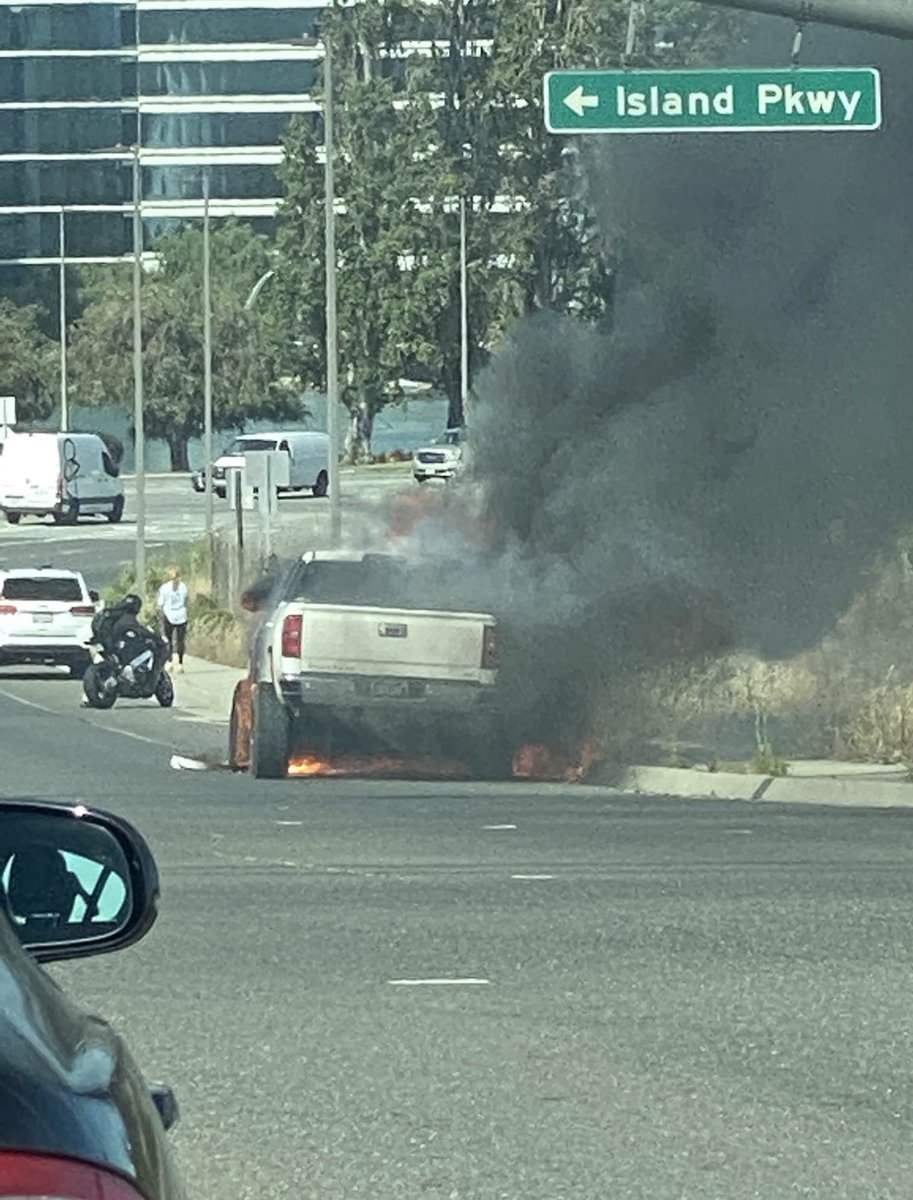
[(376, 767), (538, 763)]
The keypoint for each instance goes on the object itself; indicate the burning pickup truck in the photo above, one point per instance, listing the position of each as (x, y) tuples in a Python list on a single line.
[(353, 652)]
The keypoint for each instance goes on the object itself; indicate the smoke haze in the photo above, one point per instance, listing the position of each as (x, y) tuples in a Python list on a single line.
[(719, 469)]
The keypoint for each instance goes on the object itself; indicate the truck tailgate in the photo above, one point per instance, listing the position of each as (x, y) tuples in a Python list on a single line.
[(414, 643)]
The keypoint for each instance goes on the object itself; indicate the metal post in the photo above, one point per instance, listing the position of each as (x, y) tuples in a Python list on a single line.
[(332, 344), (64, 397), (893, 17), (464, 312), (207, 368), (631, 34), (138, 421)]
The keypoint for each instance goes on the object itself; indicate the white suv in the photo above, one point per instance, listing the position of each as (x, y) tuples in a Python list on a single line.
[(441, 460), (46, 617)]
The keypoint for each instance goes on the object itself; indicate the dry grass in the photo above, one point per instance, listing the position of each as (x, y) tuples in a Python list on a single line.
[(850, 697)]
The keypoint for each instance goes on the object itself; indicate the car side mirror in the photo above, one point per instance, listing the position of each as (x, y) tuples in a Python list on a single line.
[(74, 881), (94, 596)]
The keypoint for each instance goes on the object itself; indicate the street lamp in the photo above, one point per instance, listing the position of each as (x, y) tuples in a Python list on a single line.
[(332, 335), (207, 368), (121, 152), (139, 432), (62, 327)]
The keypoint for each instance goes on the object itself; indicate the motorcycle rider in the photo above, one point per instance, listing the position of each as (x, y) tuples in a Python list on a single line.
[(134, 644)]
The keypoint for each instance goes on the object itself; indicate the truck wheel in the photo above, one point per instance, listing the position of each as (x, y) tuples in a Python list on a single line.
[(117, 510), (321, 484), (269, 735), (239, 727), (13, 517)]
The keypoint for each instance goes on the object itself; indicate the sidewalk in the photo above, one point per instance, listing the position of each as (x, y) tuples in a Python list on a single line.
[(205, 689)]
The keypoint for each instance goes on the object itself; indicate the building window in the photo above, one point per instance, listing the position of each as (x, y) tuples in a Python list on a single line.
[(245, 78), (63, 131), (214, 27), (85, 181), (40, 79)]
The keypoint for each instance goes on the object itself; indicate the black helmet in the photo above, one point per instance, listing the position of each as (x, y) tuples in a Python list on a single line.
[(131, 604)]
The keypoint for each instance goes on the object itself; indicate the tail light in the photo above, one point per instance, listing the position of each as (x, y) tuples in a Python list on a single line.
[(30, 1176), (83, 610), (491, 648), (7, 610), (291, 636)]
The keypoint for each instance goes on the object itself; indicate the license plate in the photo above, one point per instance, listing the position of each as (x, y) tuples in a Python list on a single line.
[(42, 618), (390, 687)]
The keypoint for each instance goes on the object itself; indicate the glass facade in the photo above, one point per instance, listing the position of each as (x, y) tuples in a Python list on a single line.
[(212, 79)]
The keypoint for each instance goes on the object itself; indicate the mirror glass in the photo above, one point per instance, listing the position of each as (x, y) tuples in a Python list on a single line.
[(63, 879)]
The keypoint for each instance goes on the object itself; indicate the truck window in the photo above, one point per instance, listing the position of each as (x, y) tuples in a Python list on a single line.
[(371, 583)]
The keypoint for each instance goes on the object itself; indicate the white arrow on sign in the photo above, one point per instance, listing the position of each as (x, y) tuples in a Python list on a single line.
[(579, 100)]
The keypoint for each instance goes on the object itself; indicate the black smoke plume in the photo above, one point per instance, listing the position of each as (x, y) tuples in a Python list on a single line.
[(718, 469)]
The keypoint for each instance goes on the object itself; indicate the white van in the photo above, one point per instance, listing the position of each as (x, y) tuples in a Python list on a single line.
[(62, 475), (309, 457)]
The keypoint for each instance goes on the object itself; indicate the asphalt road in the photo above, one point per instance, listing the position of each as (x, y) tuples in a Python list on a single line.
[(683, 999), (175, 515)]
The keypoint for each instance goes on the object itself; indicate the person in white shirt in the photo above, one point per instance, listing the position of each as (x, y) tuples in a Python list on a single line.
[(172, 604)]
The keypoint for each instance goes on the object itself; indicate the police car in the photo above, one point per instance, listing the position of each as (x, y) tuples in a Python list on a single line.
[(46, 618)]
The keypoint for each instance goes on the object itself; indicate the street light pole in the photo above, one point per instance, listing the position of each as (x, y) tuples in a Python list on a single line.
[(138, 420), (464, 312), (62, 281), (332, 337), (207, 366)]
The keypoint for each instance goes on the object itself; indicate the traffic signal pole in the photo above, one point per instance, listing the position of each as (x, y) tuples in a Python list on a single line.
[(891, 17)]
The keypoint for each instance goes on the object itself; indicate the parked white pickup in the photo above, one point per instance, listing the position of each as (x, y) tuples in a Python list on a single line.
[(351, 655)]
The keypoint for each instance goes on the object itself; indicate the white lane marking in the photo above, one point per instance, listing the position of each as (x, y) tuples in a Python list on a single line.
[(56, 712), (290, 822), (532, 876), (499, 827), (437, 982)]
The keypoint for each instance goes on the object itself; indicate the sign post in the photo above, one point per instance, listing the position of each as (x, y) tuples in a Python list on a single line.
[(721, 101), (265, 471)]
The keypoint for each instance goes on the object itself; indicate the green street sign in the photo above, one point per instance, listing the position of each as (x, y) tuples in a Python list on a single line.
[(781, 99)]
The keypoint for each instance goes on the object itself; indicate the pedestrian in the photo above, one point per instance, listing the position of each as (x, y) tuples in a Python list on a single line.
[(172, 603)]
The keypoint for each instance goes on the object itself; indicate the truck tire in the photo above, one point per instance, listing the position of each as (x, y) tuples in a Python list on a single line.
[(321, 484), (269, 735), (239, 727)]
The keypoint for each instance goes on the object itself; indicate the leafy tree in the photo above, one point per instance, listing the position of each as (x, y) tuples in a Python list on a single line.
[(247, 373), (28, 361), (381, 182)]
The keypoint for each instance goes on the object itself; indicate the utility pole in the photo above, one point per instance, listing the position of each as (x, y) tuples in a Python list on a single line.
[(891, 17), (62, 281), (464, 311), (138, 419), (332, 340), (207, 369)]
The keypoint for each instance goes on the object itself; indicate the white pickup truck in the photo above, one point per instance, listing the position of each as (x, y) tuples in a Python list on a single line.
[(352, 653)]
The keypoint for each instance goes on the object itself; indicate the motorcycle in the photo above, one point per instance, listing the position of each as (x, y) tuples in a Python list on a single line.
[(109, 678)]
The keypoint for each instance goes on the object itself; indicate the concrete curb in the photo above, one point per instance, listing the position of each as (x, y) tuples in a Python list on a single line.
[(827, 790)]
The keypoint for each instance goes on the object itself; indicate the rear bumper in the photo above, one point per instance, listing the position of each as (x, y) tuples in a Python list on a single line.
[(54, 652), (422, 696)]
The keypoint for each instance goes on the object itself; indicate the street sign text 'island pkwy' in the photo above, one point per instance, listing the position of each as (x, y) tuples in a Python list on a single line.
[(721, 101)]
